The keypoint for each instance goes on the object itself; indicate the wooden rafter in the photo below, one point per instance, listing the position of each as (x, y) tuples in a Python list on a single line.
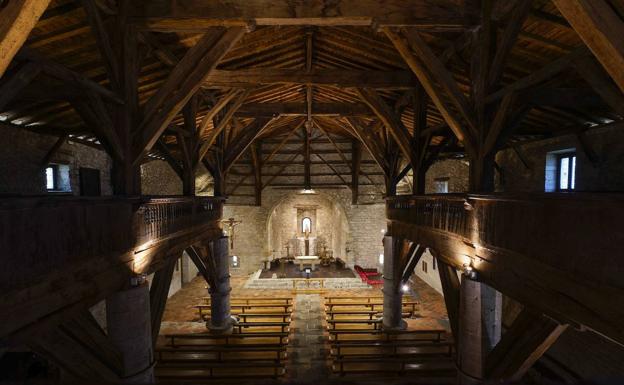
[(528, 338), (240, 144), (601, 28), (183, 82), (197, 15), (17, 19)]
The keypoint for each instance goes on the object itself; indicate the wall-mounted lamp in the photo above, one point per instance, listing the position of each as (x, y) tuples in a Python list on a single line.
[(468, 206), (469, 271), (138, 279), (405, 288)]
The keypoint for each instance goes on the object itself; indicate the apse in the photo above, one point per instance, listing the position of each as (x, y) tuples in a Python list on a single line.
[(308, 224)]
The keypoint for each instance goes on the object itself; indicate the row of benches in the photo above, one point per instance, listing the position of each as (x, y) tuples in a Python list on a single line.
[(256, 349), (359, 345)]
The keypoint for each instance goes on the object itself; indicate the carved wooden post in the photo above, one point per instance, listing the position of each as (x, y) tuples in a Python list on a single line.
[(393, 297), (129, 329), (220, 320)]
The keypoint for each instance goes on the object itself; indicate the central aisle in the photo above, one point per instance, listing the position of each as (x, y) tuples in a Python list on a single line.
[(307, 352)]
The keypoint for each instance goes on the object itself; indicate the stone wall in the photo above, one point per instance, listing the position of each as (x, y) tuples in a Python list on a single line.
[(362, 241), (21, 154), (431, 276), (606, 175)]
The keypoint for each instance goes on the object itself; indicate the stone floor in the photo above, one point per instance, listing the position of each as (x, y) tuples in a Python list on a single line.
[(308, 362)]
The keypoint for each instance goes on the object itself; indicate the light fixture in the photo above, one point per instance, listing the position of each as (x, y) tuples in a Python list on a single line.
[(307, 191), (383, 231), (469, 271), (381, 259), (405, 288)]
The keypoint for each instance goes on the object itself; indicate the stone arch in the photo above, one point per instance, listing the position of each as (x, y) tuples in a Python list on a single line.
[(332, 220)]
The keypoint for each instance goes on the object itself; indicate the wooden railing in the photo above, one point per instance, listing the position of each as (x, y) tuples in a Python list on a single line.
[(441, 212), (561, 253), (40, 235)]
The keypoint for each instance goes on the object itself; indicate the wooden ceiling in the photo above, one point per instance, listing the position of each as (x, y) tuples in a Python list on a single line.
[(290, 73)]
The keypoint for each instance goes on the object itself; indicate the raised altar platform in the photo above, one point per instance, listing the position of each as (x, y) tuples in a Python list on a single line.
[(292, 269)]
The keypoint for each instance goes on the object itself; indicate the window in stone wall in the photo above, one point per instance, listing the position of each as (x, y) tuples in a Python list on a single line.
[(424, 266), (434, 263), (57, 178), (235, 261), (440, 185), (51, 173), (560, 172), (566, 171)]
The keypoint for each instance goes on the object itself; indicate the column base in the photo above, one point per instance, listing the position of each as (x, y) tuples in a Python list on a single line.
[(401, 326), (227, 327)]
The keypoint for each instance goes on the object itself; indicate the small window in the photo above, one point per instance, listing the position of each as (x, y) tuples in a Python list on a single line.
[(235, 261), (51, 173), (434, 263), (424, 266), (566, 172), (440, 185), (306, 225)]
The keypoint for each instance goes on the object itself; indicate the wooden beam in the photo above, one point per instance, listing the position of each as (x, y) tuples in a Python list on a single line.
[(595, 75), (251, 77), (256, 164), (169, 158), (80, 347), (15, 83), (450, 287), (103, 42), (543, 74), (356, 162), (96, 116), (601, 28), (159, 291), (223, 122), (307, 133), (197, 15), (336, 173), (254, 110), (244, 140), (498, 124), (220, 105), (428, 83), (17, 19), (529, 337), (510, 36), (64, 74), (391, 121), (183, 82), (203, 265), (365, 134), (441, 76), (57, 145)]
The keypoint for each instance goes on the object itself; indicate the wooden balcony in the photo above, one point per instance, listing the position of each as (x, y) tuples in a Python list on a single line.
[(58, 253), (560, 253)]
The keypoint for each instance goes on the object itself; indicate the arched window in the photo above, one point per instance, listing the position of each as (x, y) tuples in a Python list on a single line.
[(235, 261), (306, 225)]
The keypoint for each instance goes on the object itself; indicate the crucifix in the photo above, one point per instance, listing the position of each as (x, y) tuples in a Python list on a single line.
[(231, 223)]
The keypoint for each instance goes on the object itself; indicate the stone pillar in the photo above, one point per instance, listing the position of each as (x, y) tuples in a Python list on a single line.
[(480, 312), (220, 319), (393, 297), (129, 329)]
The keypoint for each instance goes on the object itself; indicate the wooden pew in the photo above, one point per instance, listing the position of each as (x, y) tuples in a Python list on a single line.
[(370, 298), (330, 315), (411, 305), (236, 309), (175, 339), (429, 335), (204, 356), (333, 323), (256, 300)]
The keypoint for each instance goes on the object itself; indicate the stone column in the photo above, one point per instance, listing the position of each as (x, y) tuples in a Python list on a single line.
[(129, 329), (220, 319), (480, 312), (393, 297)]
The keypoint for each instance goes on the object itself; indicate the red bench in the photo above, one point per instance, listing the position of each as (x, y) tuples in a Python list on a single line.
[(370, 276)]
